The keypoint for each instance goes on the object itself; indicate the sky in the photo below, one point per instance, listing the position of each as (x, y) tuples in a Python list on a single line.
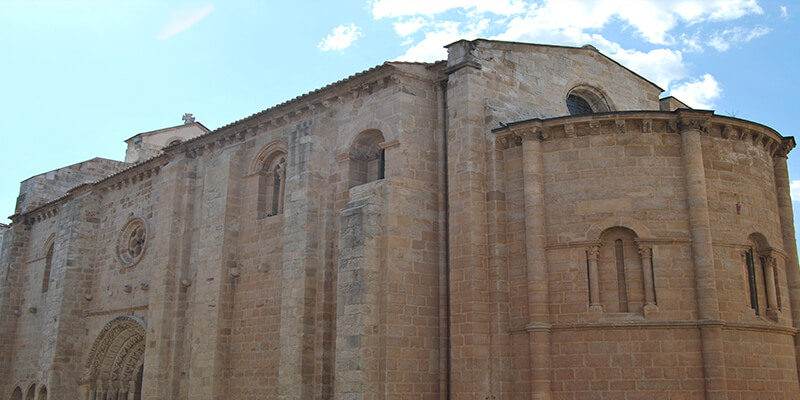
[(77, 77)]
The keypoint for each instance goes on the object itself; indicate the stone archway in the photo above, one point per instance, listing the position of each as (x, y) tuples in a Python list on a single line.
[(114, 367)]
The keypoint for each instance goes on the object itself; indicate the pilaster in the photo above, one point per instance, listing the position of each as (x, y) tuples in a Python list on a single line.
[(13, 248), (216, 255), (301, 264), (167, 295), (359, 369), (470, 367), (72, 267)]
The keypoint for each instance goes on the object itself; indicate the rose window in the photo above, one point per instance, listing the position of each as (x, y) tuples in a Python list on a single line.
[(132, 242)]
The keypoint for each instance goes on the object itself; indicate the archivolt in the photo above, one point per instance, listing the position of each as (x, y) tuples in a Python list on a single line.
[(266, 154), (118, 351)]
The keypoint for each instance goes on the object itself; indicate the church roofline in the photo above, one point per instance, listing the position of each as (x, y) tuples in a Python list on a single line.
[(381, 68), (608, 115), (555, 46), (73, 165), (149, 133), (153, 161), (679, 114)]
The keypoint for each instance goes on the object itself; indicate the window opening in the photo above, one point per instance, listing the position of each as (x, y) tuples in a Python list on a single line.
[(751, 280), (578, 105), (48, 262), (622, 287)]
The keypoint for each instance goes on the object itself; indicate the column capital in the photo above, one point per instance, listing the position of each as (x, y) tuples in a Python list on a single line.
[(593, 251), (533, 133)]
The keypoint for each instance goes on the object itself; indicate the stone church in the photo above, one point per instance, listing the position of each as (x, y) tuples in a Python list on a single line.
[(520, 221)]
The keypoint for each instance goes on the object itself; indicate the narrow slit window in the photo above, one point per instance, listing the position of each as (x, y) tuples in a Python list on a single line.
[(751, 280), (48, 264)]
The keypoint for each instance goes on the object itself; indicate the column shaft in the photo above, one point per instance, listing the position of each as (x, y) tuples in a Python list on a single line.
[(535, 253), (703, 259)]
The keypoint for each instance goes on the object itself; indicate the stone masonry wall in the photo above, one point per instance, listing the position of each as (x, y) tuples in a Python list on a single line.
[(49, 186), (494, 256)]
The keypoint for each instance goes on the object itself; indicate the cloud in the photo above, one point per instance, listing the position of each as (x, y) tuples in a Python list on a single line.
[(698, 93), (399, 8), (408, 27), (431, 48), (662, 66), (341, 38), (784, 12), (722, 41), (794, 188), (652, 19), (578, 22), (733, 9), (184, 19)]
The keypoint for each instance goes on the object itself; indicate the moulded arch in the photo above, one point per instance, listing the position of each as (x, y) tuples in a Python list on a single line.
[(759, 240), (388, 131), (596, 230), (594, 94), (17, 393), (117, 349), (366, 142), (367, 158), (31, 392), (48, 244), (173, 141), (267, 154), (42, 392)]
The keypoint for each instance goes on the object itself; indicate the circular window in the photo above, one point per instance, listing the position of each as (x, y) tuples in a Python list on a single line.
[(132, 242)]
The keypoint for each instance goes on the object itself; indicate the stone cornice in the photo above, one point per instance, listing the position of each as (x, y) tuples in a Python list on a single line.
[(134, 174), (665, 324), (298, 109), (683, 120)]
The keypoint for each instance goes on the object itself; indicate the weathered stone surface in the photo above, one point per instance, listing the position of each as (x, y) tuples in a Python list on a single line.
[(417, 231)]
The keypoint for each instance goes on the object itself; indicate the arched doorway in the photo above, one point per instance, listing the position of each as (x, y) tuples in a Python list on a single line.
[(115, 364)]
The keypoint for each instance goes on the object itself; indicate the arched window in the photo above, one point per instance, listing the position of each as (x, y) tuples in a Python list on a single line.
[(620, 271), (48, 263), (17, 394), (367, 158), (763, 289), (271, 185), (586, 100), (42, 392), (31, 393)]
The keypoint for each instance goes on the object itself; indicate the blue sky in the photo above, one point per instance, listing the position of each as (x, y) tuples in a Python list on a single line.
[(78, 77)]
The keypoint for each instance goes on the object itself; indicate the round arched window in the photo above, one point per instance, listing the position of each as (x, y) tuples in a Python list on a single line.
[(586, 100)]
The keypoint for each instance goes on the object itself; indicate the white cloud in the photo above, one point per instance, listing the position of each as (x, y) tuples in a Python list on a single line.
[(698, 93), (662, 66), (653, 19), (784, 12), (794, 188), (726, 10), (431, 48), (184, 19), (722, 41), (578, 22), (341, 38), (692, 43), (408, 27), (399, 8)]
